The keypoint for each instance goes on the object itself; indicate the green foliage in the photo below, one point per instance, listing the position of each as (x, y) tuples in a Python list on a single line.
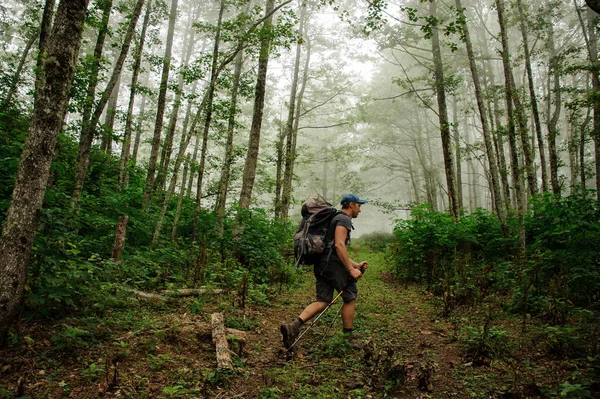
[(71, 338), (451, 257), (485, 342), (465, 260), (377, 241), (563, 235), (561, 340)]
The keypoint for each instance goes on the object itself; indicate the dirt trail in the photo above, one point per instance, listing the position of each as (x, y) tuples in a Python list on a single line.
[(154, 350), (407, 352)]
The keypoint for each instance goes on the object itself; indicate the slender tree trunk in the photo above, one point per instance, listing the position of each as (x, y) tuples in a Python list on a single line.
[(259, 103), (160, 110), (299, 100), (582, 130), (487, 139), (95, 67), (459, 191), (594, 70), (496, 132), (165, 156), (279, 171), (138, 138), (45, 28), (532, 96), (528, 162), (573, 144), (50, 107), (186, 168), (289, 128), (413, 180), (227, 159), (514, 156), (443, 115), (137, 64), (17, 75), (109, 118), (553, 121), (87, 134), (214, 73)]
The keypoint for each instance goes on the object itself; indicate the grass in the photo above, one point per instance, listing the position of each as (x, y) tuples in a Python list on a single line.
[(154, 350)]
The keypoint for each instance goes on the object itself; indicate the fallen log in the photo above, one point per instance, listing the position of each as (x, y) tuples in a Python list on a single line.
[(191, 291), (148, 295), (220, 341), (167, 294)]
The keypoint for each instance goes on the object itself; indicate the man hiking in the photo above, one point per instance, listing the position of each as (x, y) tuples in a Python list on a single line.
[(333, 270)]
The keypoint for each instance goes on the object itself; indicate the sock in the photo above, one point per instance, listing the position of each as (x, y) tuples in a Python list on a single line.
[(298, 322), (347, 330)]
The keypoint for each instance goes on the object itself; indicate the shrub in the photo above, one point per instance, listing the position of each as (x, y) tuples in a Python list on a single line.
[(482, 342)]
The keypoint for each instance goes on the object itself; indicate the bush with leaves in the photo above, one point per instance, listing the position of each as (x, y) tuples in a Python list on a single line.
[(460, 259), (563, 235)]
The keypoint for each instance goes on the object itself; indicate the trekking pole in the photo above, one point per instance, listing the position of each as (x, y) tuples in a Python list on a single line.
[(331, 325), (362, 270), (316, 319)]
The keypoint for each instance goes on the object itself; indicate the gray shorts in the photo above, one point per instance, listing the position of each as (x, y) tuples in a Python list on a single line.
[(334, 276)]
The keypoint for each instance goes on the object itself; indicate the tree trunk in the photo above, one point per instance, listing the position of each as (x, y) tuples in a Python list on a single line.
[(495, 133), (160, 110), (165, 156), (95, 67), (443, 115), (528, 162), (45, 28), (457, 150), (514, 156), (109, 118), (138, 137), (279, 171), (120, 234), (87, 134), (214, 73), (594, 70), (186, 168), (137, 64), (553, 121), (227, 159), (220, 341), (50, 107), (17, 75), (286, 195), (532, 97), (487, 139), (259, 103)]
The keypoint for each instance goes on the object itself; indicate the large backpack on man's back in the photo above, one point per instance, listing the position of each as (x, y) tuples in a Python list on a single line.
[(310, 239)]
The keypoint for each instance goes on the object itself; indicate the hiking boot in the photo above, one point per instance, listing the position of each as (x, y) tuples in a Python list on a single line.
[(356, 341), (289, 331)]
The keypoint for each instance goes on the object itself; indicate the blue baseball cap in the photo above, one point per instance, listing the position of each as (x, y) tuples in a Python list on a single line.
[(348, 198)]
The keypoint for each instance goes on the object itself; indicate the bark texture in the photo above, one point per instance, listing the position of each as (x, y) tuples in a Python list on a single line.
[(220, 340), (443, 115), (49, 111), (120, 234)]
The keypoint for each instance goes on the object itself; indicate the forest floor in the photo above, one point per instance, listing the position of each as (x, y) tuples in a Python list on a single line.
[(145, 349)]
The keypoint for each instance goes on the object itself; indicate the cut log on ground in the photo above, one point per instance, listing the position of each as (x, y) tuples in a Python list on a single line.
[(220, 340), (148, 295), (168, 294), (191, 291)]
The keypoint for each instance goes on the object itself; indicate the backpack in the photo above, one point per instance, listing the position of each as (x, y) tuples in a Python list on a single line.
[(310, 238)]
